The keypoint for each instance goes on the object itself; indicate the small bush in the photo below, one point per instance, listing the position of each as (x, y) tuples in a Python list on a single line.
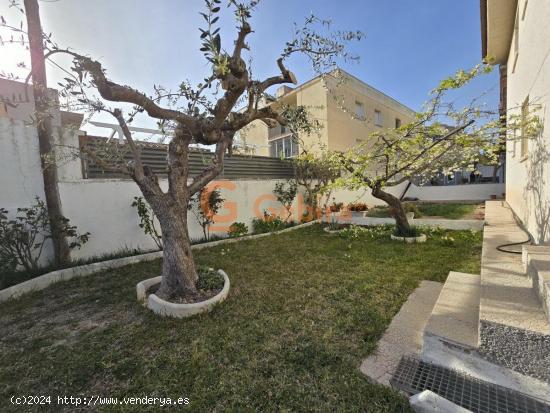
[(354, 231), (268, 223), (336, 206), (209, 279), (413, 232), (357, 207), (237, 229), (22, 238), (306, 217), (408, 207), (334, 225)]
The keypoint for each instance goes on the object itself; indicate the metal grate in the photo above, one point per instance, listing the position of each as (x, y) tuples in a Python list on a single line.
[(414, 376)]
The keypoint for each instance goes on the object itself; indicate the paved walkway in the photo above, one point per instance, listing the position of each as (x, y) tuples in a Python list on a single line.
[(453, 224), (404, 335), (507, 296)]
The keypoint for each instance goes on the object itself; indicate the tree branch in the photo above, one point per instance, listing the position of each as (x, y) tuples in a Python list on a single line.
[(117, 93), (214, 170)]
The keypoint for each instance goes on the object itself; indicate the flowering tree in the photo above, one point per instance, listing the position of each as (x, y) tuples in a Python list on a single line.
[(205, 114), (315, 173), (424, 147)]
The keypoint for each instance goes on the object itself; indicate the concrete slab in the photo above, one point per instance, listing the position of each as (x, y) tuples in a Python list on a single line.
[(539, 273), (455, 316), (507, 296), (430, 402), (404, 334)]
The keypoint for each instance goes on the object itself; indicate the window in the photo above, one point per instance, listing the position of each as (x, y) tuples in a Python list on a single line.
[(284, 148), (359, 110), (524, 137), (397, 123), (377, 117)]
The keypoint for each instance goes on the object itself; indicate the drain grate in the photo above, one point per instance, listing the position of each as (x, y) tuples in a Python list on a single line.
[(414, 375)]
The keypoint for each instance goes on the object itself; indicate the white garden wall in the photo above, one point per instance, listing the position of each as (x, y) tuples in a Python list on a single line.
[(472, 192), (103, 206)]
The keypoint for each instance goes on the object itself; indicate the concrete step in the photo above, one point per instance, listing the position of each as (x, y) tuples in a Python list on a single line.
[(507, 295), (536, 262), (514, 331), (455, 316)]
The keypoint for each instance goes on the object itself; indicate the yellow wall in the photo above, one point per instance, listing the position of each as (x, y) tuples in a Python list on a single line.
[(331, 101), (345, 130), (255, 138)]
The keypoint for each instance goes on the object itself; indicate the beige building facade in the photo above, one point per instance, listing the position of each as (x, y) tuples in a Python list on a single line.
[(516, 33), (347, 109)]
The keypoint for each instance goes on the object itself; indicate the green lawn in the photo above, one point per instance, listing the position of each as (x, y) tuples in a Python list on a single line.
[(305, 308), (426, 210)]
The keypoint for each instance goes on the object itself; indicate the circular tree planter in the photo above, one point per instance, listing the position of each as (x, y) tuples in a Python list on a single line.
[(168, 309), (410, 240)]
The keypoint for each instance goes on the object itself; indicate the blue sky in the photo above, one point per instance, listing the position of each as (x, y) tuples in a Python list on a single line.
[(409, 45)]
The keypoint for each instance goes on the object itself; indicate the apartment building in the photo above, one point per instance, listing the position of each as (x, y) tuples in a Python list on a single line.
[(516, 34), (347, 109)]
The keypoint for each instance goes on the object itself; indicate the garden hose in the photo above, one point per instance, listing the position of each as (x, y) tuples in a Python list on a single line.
[(502, 247)]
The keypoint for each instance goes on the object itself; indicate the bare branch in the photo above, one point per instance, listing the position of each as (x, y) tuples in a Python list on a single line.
[(214, 170)]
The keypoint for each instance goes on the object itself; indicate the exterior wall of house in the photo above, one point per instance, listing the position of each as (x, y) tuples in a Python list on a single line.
[(528, 75), (346, 98), (331, 101), (253, 137)]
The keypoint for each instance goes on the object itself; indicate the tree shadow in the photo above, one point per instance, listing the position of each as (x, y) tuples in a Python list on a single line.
[(536, 188)]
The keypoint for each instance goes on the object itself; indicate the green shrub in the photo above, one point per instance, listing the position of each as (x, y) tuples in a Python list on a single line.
[(22, 238), (268, 223), (357, 207), (408, 207), (209, 279), (336, 206), (413, 232), (237, 229)]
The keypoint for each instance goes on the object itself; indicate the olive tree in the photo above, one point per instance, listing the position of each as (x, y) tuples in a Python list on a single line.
[(209, 114), (425, 147)]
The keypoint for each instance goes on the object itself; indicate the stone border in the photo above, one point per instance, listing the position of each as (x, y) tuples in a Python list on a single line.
[(143, 286), (410, 240), (167, 309), (328, 231), (45, 280)]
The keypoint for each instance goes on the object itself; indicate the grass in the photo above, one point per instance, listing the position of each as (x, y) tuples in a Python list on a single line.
[(304, 309), (9, 278), (448, 211)]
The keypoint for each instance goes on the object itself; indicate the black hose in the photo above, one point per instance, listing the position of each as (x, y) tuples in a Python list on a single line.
[(501, 247), (529, 239)]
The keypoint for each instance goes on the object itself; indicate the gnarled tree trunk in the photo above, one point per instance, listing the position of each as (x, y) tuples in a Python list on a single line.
[(179, 274), (397, 209)]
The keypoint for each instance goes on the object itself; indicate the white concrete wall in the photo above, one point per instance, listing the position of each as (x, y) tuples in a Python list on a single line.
[(528, 179), (473, 192), (20, 170), (103, 206)]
